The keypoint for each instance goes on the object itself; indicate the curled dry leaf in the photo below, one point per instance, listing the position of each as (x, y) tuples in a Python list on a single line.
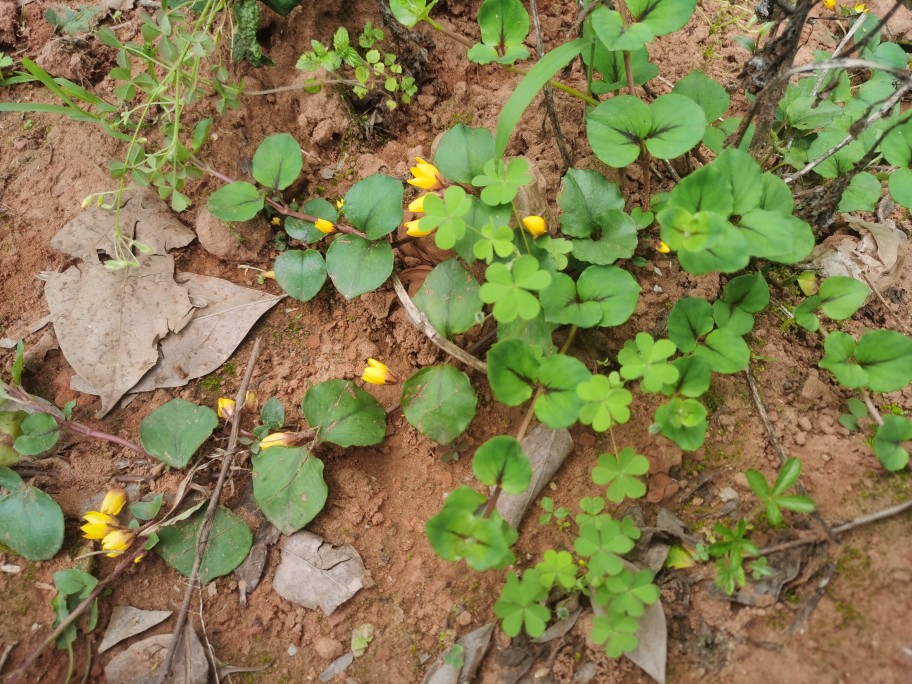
[(142, 662), (127, 621), (316, 574), (475, 645)]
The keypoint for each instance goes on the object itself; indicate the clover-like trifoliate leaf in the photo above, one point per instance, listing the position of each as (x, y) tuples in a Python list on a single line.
[(621, 474), (683, 421), (509, 288), (557, 568), (607, 402), (646, 358), (501, 182), (519, 605), (446, 215)]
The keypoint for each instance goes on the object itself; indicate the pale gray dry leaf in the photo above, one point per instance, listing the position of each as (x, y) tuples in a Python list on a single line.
[(337, 666), (223, 316), (127, 621), (109, 323), (141, 663), (878, 251), (651, 653), (559, 628), (475, 645), (250, 572), (316, 574), (546, 450), (144, 217)]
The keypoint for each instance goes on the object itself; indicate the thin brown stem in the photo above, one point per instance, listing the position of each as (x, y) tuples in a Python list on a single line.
[(202, 539)]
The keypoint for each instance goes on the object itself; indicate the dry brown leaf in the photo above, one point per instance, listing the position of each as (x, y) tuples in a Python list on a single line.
[(109, 323), (317, 574), (223, 316), (127, 621), (141, 663), (143, 217)]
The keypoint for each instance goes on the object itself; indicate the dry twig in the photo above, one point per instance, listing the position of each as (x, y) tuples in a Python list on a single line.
[(764, 417), (202, 539), (420, 321)]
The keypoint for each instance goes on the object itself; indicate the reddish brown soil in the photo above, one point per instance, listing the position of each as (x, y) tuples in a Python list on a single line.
[(381, 497)]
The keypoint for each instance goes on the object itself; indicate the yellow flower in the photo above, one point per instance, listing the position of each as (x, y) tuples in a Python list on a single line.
[(377, 373), (860, 8), (663, 248), (340, 203), (117, 542), (114, 501), (416, 206), (281, 439), (535, 225), (99, 524), (225, 408), (829, 4), (325, 226), (425, 176), (413, 229), (276, 221), (250, 400)]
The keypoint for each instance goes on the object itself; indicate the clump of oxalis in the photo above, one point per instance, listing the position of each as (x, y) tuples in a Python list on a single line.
[(544, 283)]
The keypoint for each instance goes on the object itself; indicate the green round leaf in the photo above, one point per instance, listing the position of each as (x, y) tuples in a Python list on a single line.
[(886, 358), (888, 442), (615, 35), (586, 195), (689, 320), (40, 432), (559, 405), (463, 152), (694, 377), (305, 231), (709, 94), (615, 290), (374, 205), (901, 187), (724, 351), (288, 487), (616, 127), (449, 298), (677, 126), (277, 163), (173, 432), (440, 402), (238, 201), (863, 193), (31, 522), (501, 461), (300, 274), (617, 240), (662, 16), (842, 296), (344, 414), (229, 543), (560, 305), (513, 370), (356, 265)]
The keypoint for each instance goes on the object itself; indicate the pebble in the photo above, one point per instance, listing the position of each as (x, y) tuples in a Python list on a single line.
[(800, 438), (292, 650), (902, 576), (464, 618), (327, 647), (804, 423)]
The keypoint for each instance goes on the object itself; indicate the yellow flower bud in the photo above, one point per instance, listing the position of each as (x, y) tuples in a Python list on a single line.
[(663, 248), (377, 373), (860, 8), (225, 408), (250, 400), (282, 439), (425, 176), (114, 501), (325, 226), (340, 203), (829, 4), (413, 229), (416, 206), (276, 221), (535, 225), (117, 542)]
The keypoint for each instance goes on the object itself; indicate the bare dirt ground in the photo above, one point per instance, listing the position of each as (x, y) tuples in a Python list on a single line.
[(381, 497)]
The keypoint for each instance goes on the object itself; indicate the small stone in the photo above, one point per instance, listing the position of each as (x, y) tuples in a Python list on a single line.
[(231, 241), (728, 494), (464, 618), (801, 438), (804, 423), (327, 647), (902, 576), (292, 650), (657, 289)]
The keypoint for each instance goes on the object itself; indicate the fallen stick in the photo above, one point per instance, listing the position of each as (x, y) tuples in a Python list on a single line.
[(202, 540)]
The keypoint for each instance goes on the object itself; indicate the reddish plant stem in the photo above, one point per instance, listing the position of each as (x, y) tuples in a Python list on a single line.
[(17, 675)]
